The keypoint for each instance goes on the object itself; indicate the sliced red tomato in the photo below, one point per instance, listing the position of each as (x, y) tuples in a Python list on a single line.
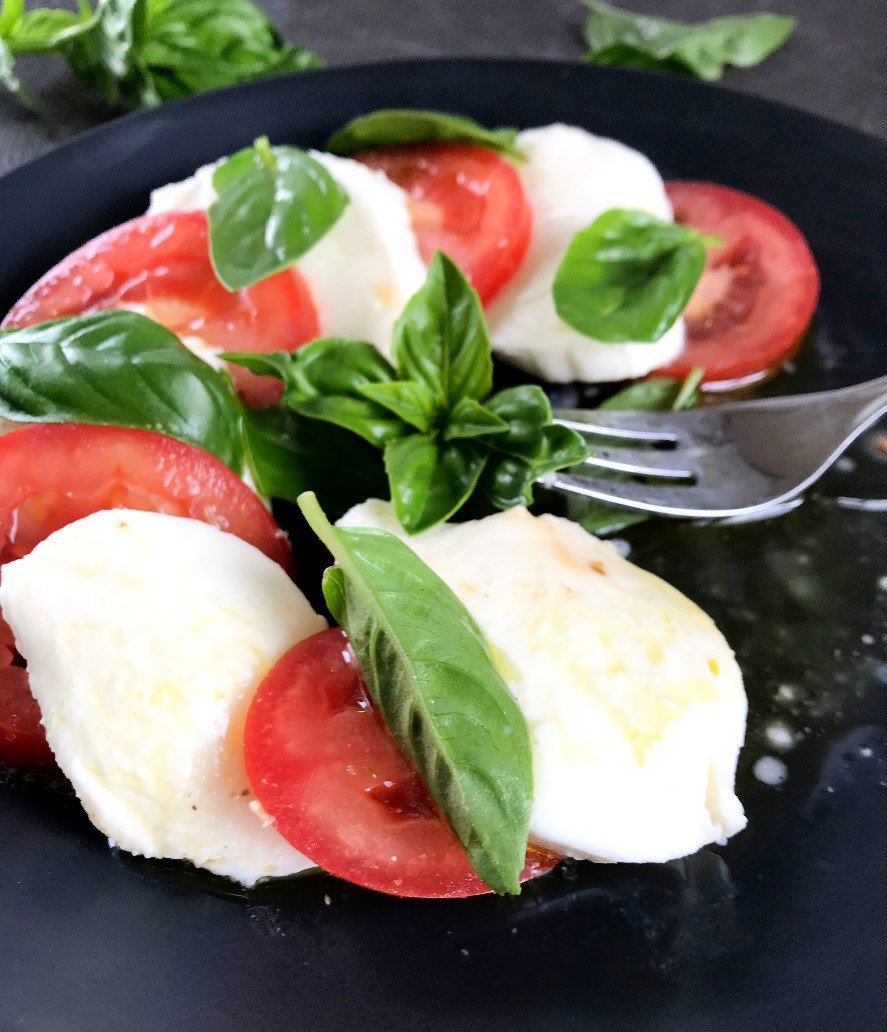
[(466, 201), (758, 291), (324, 767), (162, 262), (52, 475)]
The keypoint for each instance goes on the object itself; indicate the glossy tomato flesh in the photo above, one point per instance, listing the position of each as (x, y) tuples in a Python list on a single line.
[(52, 475), (162, 262), (466, 201), (323, 765), (758, 291)]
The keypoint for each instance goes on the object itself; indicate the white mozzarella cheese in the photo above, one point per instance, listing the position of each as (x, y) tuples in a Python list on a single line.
[(570, 178), (363, 271), (632, 696), (146, 636)]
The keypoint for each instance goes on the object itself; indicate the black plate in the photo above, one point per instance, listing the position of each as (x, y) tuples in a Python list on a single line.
[(783, 929)]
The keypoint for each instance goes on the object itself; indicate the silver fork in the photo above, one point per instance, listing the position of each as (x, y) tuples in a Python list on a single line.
[(735, 459)]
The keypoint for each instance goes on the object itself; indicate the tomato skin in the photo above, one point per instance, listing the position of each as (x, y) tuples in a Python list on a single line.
[(162, 261), (323, 765), (757, 294), (54, 474), (466, 201)]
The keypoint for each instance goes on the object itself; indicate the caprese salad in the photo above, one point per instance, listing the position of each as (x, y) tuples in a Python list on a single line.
[(487, 690)]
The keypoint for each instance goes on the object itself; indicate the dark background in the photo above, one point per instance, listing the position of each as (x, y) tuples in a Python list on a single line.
[(835, 64)]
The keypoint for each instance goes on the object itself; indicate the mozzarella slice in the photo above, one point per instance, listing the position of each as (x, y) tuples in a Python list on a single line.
[(633, 698), (146, 636), (363, 271), (570, 177)]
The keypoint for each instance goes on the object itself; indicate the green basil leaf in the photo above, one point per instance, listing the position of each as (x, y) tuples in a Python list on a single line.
[(324, 380), (440, 339), (431, 479), (658, 394), (196, 45), (409, 400), (273, 204), (289, 454), (508, 480), (525, 410), (430, 672), (10, 13), (392, 126), (119, 369), (703, 49), (627, 276), (106, 53), (468, 418), (45, 30)]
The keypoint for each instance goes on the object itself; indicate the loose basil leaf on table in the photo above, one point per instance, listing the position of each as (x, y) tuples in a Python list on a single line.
[(430, 672), (273, 204), (392, 126), (656, 394), (628, 276), (121, 369), (196, 45), (326, 379), (617, 37)]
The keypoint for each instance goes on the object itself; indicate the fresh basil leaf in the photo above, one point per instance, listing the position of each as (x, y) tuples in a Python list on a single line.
[(106, 53), (273, 204), (508, 480), (658, 394), (440, 339), (431, 479), (525, 410), (392, 126), (45, 30), (119, 369), (324, 380), (409, 400), (430, 672), (196, 45), (468, 418), (703, 49), (11, 12), (627, 276), (289, 454)]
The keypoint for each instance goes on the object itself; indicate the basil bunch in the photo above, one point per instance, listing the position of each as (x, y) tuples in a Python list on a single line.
[(143, 52), (391, 126), (617, 37), (430, 672), (272, 205), (428, 410), (628, 276)]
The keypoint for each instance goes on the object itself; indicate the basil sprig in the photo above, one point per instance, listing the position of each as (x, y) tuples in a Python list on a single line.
[(617, 37), (391, 126), (628, 276), (121, 369), (142, 52), (443, 438), (272, 205), (430, 672), (656, 394)]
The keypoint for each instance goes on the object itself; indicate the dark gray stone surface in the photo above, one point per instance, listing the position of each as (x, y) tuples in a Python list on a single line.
[(834, 65)]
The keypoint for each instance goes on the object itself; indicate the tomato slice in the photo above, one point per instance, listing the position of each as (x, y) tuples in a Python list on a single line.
[(324, 767), (757, 293), (464, 200), (162, 262), (52, 475)]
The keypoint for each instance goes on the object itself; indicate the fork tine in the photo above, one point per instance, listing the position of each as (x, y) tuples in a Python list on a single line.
[(644, 462), (602, 424), (663, 499)]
